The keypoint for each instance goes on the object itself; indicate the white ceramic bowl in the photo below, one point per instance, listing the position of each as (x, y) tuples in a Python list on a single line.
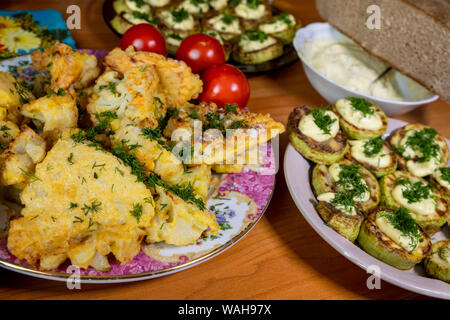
[(333, 91)]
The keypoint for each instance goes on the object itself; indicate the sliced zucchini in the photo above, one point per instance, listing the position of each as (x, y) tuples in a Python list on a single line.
[(345, 223), (347, 177), (158, 3), (251, 12), (138, 5), (437, 264), (197, 8), (393, 237), (421, 150), (218, 5), (136, 17), (257, 47), (440, 179), (374, 154), (331, 148), (427, 206), (120, 25), (178, 21), (360, 119), (227, 25), (173, 41), (282, 27), (120, 6)]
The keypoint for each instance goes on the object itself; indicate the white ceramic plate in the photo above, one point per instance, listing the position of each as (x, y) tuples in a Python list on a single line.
[(297, 174)]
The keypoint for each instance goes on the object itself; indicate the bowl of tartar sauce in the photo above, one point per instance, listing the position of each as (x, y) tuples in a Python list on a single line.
[(337, 68)]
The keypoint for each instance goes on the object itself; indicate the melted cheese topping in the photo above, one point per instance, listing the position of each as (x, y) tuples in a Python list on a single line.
[(244, 11), (248, 45), (356, 117), (424, 207), (335, 169), (380, 160), (437, 174), (195, 9), (393, 233), (158, 3), (329, 196), (186, 24), (308, 127), (277, 25), (219, 25)]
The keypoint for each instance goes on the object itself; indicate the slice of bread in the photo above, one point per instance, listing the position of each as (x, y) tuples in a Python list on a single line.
[(414, 35)]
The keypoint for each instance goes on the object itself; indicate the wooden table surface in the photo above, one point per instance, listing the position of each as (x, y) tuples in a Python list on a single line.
[(282, 257)]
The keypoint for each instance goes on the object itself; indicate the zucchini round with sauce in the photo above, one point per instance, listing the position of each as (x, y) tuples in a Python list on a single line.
[(173, 41), (392, 236), (349, 178), (218, 5), (345, 220), (282, 27), (437, 264), (315, 134), (256, 47), (427, 206), (251, 12), (420, 149), (178, 21), (374, 154), (226, 25), (360, 119), (440, 179), (197, 8)]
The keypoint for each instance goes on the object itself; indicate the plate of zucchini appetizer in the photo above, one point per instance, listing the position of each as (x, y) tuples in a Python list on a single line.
[(256, 36), (376, 189)]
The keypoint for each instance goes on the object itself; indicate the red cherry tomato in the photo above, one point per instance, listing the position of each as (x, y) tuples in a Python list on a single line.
[(144, 37), (225, 84), (200, 52)]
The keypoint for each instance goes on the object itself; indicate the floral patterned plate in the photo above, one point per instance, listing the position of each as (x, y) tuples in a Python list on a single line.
[(239, 202)]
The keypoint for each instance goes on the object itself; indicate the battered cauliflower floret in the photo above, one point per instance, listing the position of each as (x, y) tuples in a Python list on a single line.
[(56, 110), (66, 66), (8, 131), (12, 95), (178, 222), (134, 96), (18, 161), (178, 82)]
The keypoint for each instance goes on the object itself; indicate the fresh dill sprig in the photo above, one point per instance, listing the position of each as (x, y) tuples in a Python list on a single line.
[(445, 174), (373, 146), (137, 211), (322, 120), (417, 191), (361, 105)]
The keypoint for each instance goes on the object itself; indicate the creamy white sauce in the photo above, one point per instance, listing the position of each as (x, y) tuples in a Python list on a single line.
[(219, 25), (349, 65), (244, 11), (195, 9), (277, 25), (158, 3), (329, 196), (356, 117), (424, 207), (335, 169), (380, 160), (248, 45), (308, 127), (186, 24), (437, 174), (145, 8), (393, 233), (132, 19), (218, 5)]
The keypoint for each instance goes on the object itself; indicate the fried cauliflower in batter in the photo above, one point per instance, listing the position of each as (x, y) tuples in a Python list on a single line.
[(12, 95)]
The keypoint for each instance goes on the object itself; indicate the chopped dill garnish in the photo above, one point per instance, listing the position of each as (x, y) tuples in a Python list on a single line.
[(351, 180), (424, 144), (70, 158), (73, 205), (445, 174), (77, 220), (373, 146), (361, 105), (94, 207), (322, 120), (417, 191), (136, 211), (179, 15)]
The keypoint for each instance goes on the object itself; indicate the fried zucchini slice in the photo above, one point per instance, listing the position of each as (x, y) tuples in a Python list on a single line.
[(344, 221), (349, 177), (326, 151), (360, 119), (420, 149), (282, 27), (427, 206), (227, 25), (197, 8), (440, 179), (437, 264), (251, 12), (257, 47), (375, 154), (393, 237), (178, 21)]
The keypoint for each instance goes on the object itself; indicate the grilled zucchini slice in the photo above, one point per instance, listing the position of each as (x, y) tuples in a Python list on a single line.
[(393, 237), (257, 47), (251, 12), (197, 8), (437, 264), (420, 149), (282, 27), (226, 25), (119, 24), (173, 41), (347, 177), (360, 119), (329, 149), (440, 179), (375, 154), (345, 222), (427, 206), (178, 21)]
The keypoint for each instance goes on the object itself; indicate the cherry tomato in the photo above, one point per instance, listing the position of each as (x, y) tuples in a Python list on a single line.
[(225, 84), (200, 52), (144, 37)]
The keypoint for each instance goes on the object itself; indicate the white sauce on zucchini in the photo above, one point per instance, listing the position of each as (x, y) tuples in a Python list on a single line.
[(158, 3), (145, 8), (437, 174), (244, 11), (186, 24), (335, 169), (308, 127), (393, 233), (424, 207), (356, 117), (349, 65), (277, 25), (248, 45), (218, 5), (218, 24), (380, 160), (132, 19), (329, 196), (194, 9)]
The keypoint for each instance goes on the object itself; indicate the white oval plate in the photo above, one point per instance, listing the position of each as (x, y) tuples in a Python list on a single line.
[(297, 174)]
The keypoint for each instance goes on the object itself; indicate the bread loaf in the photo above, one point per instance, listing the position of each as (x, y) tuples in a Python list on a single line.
[(414, 35)]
